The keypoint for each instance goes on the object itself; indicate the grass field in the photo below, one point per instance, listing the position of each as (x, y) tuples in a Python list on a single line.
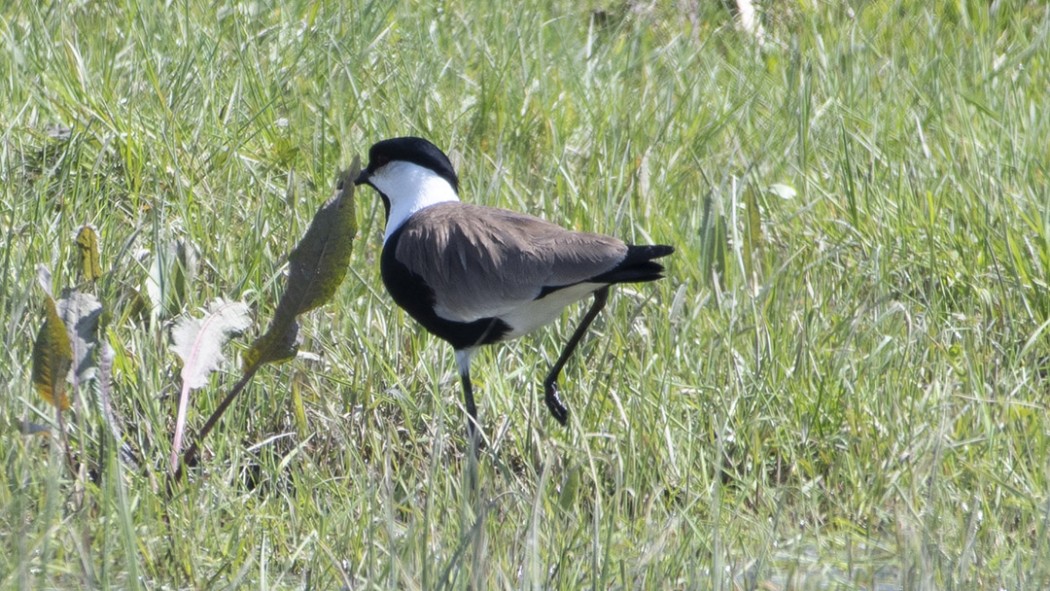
[(842, 384)]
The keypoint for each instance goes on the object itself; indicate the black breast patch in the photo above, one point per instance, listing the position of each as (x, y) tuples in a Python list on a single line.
[(412, 293)]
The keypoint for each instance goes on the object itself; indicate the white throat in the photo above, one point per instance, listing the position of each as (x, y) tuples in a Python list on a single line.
[(410, 188)]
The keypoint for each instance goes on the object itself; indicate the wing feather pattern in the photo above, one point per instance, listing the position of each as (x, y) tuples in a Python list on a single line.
[(483, 262)]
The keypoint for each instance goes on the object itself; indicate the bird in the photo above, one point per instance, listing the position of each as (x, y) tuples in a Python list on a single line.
[(474, 275)]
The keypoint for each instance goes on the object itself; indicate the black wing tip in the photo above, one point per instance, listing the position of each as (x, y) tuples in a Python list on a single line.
[(647, 252), (661, 250), (637, 266)]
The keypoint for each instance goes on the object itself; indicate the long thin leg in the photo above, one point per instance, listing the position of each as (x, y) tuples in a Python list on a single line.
[(463, 357), (473, 431), (550, 383), (472, 409)]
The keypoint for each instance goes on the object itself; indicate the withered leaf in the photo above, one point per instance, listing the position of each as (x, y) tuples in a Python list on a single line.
[(80, 312), (198, 342), (316, 267), (52, 357), (88, 248)]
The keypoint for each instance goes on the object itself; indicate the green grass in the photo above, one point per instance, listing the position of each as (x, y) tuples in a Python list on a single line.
[(844, 389)]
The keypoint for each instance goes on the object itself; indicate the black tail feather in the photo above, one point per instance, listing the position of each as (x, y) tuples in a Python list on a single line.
[(638, 265)]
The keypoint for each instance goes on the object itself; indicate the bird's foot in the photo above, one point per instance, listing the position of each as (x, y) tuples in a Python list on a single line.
[(550, 396)]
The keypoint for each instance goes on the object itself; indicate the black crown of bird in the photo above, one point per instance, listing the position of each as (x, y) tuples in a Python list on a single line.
[(474, 275)]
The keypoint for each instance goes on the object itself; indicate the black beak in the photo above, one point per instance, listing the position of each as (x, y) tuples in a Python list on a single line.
[(362, 178)]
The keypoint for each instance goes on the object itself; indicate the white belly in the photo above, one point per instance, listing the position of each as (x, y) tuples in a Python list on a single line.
[(538, 313)]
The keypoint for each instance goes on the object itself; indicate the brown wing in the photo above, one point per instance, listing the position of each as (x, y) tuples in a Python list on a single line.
[(483, 262)]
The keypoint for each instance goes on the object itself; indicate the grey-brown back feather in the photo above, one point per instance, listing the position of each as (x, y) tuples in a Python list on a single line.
[(483, 262)]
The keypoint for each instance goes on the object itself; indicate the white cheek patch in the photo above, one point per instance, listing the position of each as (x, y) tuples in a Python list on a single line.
[(410, 188)]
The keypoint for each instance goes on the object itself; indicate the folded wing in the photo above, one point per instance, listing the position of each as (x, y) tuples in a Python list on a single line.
[(484, 262)]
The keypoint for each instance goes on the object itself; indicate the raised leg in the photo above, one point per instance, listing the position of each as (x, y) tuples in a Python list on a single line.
[(550, 383)]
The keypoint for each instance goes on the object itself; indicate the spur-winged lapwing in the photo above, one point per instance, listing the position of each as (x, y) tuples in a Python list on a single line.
[(475, 275)]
